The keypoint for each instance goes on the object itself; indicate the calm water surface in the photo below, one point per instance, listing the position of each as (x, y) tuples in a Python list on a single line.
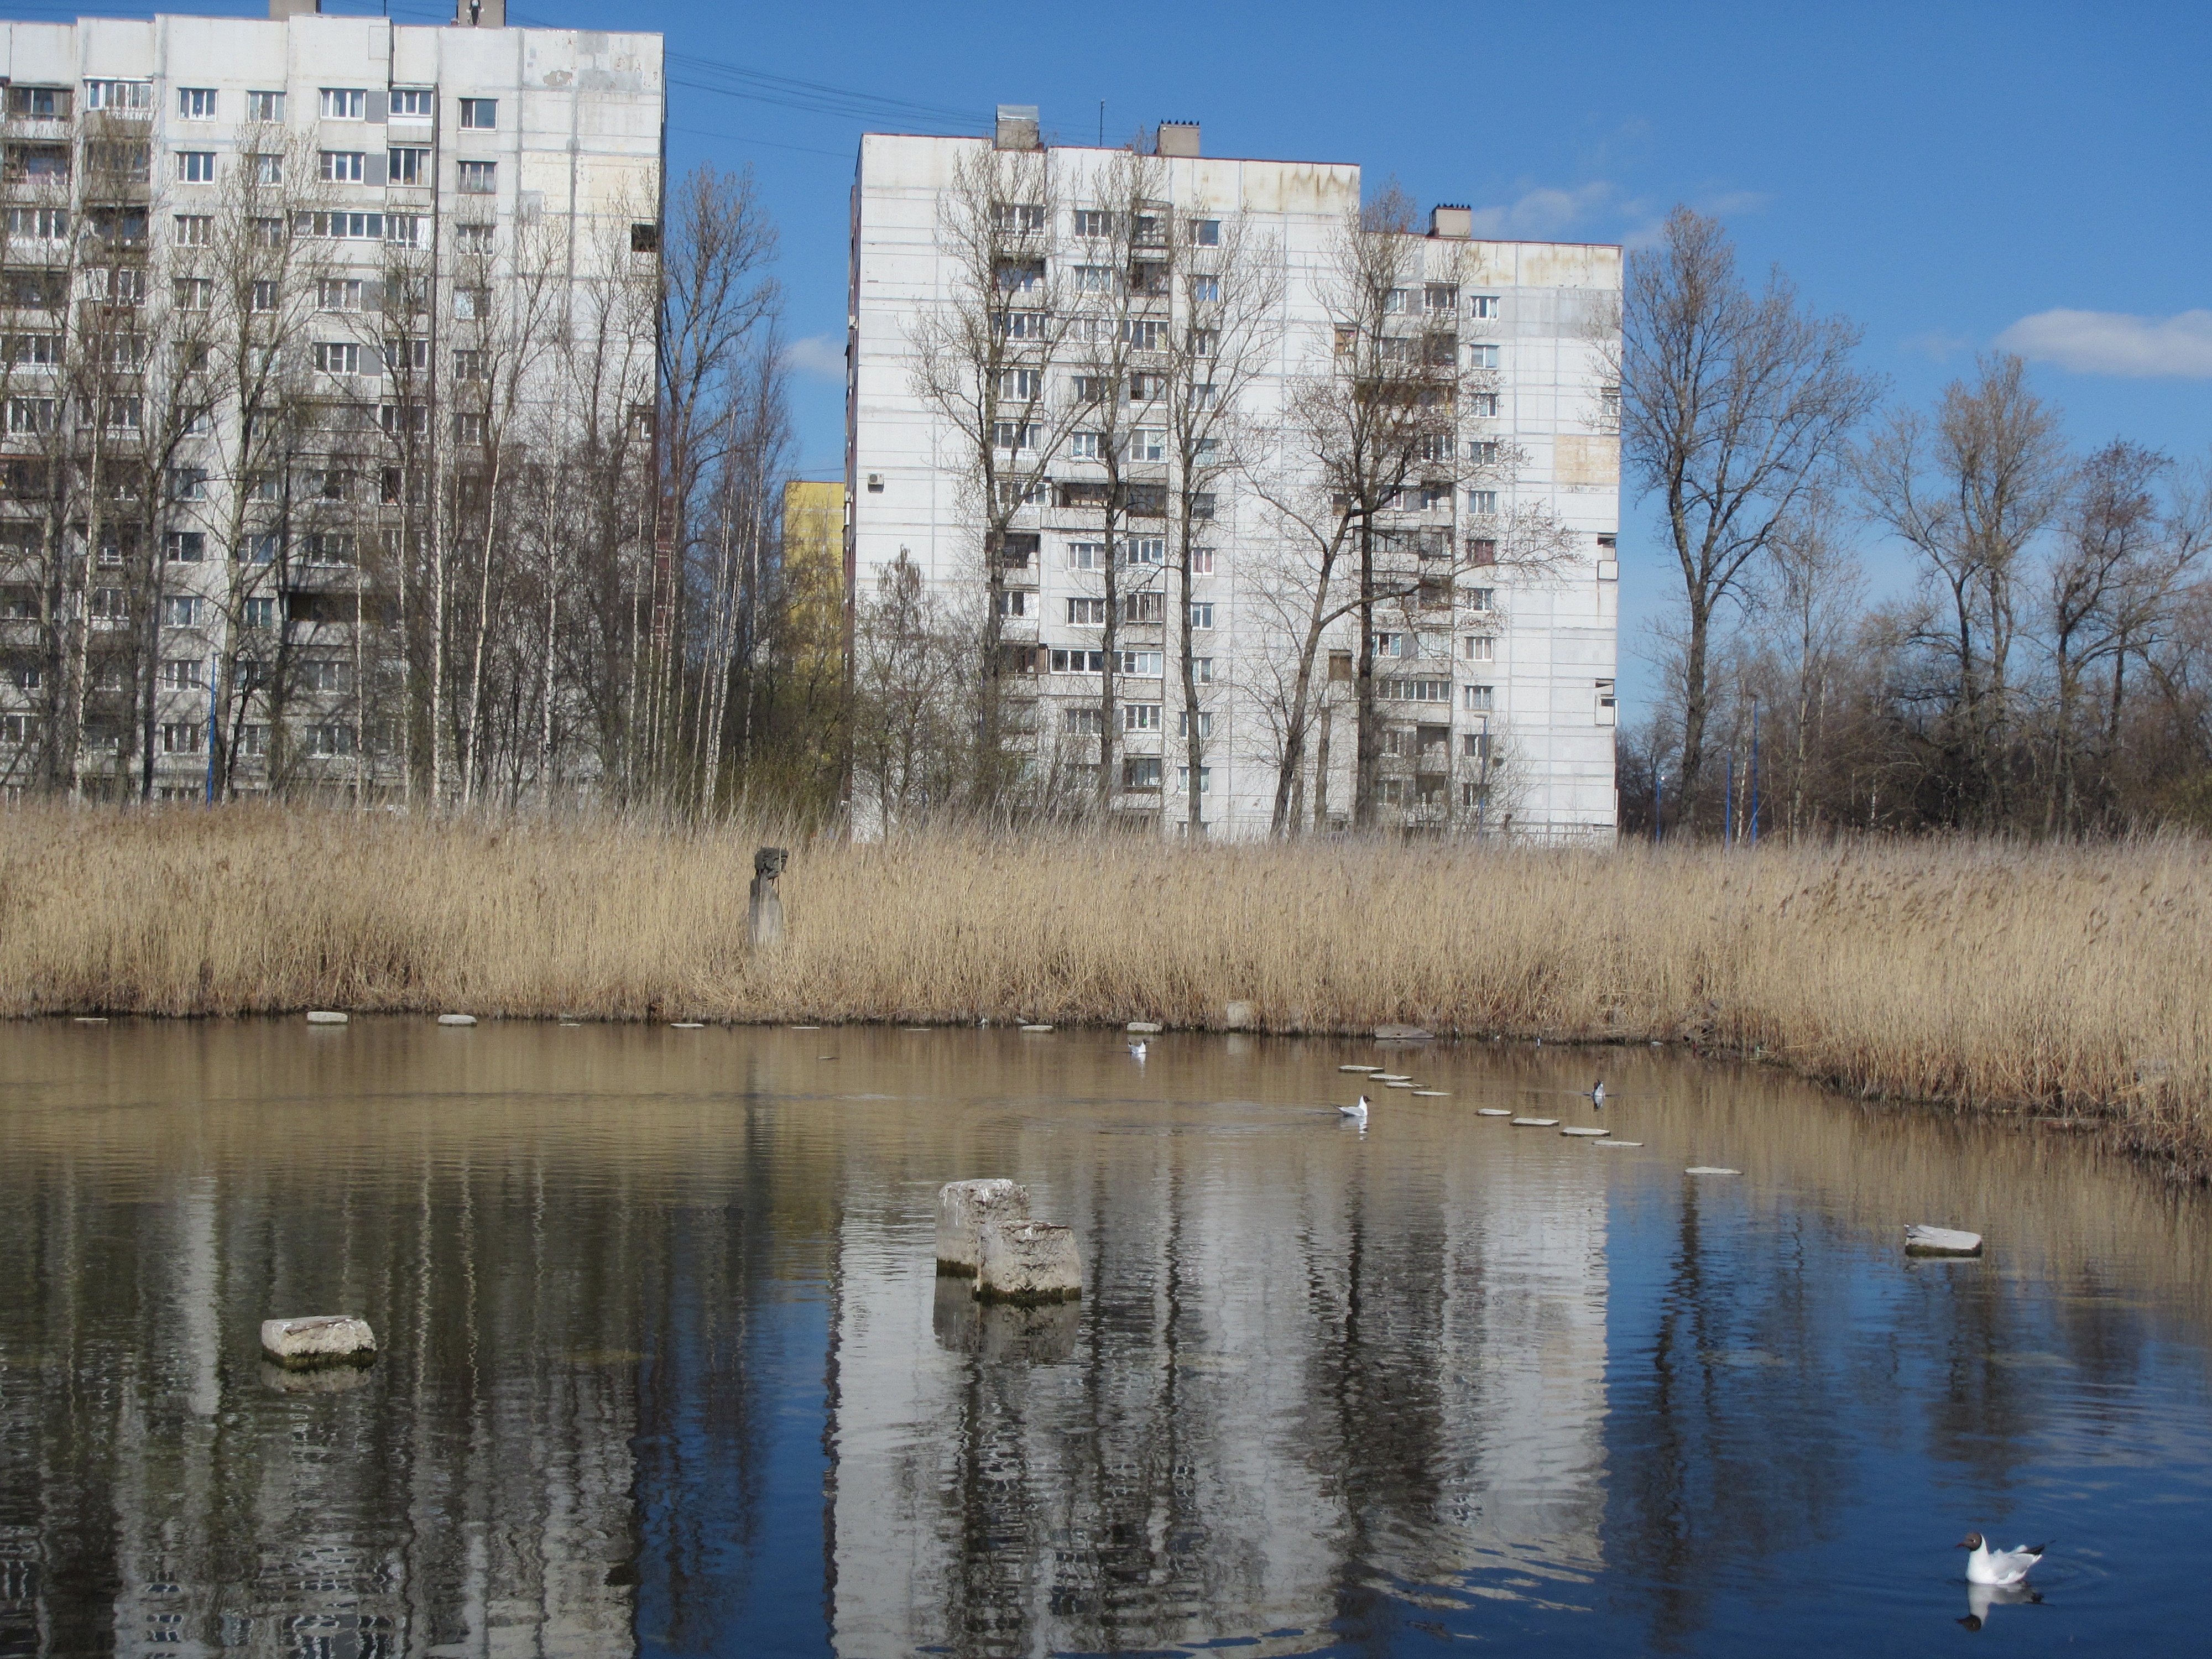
[(667, 1369)]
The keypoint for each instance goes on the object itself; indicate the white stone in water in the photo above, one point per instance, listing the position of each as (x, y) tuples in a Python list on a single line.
[(1571, 1130), (1433, 1094), (1241, 1016), (1709, 1169), (1535, 1123), (1394, 1077), (1493, 1111), (1028, 1261), (1037, 1028), (1400, 1083), (325, 1017), (963, 1208), (1941, 1241), (319, 1340), (1616, 1143), (1143, 1027), (457, 1019)]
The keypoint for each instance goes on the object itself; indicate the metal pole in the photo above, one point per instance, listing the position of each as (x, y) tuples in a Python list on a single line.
[(1751, 777), (214, 684)]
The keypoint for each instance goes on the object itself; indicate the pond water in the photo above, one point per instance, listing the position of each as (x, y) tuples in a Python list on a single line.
[(666, 1367)]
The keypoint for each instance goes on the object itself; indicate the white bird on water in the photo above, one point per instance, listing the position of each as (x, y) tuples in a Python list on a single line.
[(2000, 1567), (1137, 1050), (1356, 1113), (1597, 1095)]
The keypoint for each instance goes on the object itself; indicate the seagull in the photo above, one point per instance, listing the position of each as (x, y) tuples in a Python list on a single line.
[(1980, 1598), (1999, 1567), (1137, 1050), (1356, 1113), (1597, 1095)]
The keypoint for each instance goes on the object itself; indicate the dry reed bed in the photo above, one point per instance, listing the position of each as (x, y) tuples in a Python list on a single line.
[(2054, 978)]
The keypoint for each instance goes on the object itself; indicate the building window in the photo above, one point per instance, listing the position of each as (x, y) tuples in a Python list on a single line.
[(343, 103), (1147, 607), (182, 674), (180, 610), (268, 169), (264, 296), (338, 293), (1145, 550), (129, 95), (259, 613), (1023, 385), (181, 738), (412, 103), (468, 365), (186, 546), (472, 305), (1478, 699), (1148, 443), (479, 114), (332, 674), (1021, 217), (1479, 599), (328, 740), (195, 167), (1482, 356), (196, 103), (194, 292), (1482, 552), (1394, 645), (343, 167), (1141, 772), (468, 429), (1079, 661), (1014, 435), (195, 230), (1083, 447), (337, 356), (408, 166), (1442, 296), (473, 236), (1483, 405), (1140, 717), (1482, 503), (1094, 279), (331, 547), (252, 741), (1204, 723), (265, 548), (1479, 648), (404, 229), (1204, 233), (27, 416), (1013, 602), (1205, 779), (1608, 399), (1483, 452), (265, 106), (644, 237), (1087, 555), (188, 483), (1141, 665), (39, 224), (1201, 613), (1483, 307), (38, 103), (1086, 613), (479, 178), (1093, 222), (1201, 669)]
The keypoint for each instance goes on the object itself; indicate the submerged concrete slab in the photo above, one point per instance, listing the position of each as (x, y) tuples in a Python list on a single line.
[(319, 1340)]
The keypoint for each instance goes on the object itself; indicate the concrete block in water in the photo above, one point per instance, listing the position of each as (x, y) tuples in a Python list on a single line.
[(1241, 1016), (319, 1340), (324, 1016), (1941, 1241), (963, 1208), (1401, 1034), (1142, 1028), (457, 1019), (1028, 1261)]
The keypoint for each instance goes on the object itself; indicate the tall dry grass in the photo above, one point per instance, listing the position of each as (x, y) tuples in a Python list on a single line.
[(2074, 980)]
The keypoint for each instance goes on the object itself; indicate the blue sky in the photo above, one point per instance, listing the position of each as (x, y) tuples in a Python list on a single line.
[(1948, 174)]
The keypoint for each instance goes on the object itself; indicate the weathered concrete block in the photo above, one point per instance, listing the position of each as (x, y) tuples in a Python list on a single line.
[(963, 1208), (1941, 1241), (325, 1017), (1028, 1261), (1401, 1034), (457, 1019), (1144, 1028), (1241, 1016), (319, 1340)]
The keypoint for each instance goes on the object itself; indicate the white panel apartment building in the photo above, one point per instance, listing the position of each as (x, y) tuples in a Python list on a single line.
[(1497, 698), (126, 141)]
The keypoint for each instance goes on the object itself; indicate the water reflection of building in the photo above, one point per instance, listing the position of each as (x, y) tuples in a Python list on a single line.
[(1391, 1368)]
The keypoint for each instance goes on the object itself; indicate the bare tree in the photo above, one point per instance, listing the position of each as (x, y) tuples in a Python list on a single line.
[(1806, 600), (1730, 401), (1966, 490), (983, 360)]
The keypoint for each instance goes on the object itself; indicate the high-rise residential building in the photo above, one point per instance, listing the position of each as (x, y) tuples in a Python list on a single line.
[(1095, 554), (283, 300)]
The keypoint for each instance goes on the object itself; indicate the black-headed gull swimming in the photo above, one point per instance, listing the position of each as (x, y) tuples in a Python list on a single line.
[(1597, 1094), (1980, 1598), (1137, 1049), (1999, 1567), (1356, 1113)]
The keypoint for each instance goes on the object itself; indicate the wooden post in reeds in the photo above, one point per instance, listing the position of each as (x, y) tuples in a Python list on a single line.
[(764, 912)]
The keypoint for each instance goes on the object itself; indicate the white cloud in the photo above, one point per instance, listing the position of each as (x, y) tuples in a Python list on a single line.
[(821, 356), (1544, 213), (2114, 343)]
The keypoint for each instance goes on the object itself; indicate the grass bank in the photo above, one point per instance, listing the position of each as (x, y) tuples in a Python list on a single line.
[(2045, 980)]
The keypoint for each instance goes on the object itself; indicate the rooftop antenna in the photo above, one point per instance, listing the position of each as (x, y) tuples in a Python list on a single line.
[(1102, 123)]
